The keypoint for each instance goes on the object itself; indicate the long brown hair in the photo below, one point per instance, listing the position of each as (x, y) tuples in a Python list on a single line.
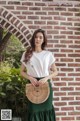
[(29, 51)]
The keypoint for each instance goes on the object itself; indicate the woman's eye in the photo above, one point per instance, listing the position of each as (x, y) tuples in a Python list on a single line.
[(40, 37)]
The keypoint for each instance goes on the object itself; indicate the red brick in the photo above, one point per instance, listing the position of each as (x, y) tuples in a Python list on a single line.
[(74, 74), (66, 60), (66, 23), (33, 17), (60, 64), (60, 18), (74, 46), (73, 9), (13, 2), (55, 89), (74, 103), (60, 104), (28, 37), (53, 13), (56, 99), (78, 108), (66, 50), (66, 14), (66, 32), (76, 24), (46, 17), (60, 37), (74, 64), (60, 94), (39, 4), (27, 22), (21, 8), (56, 79), (50, 45), (52, 32), (66, 99), (57, 119), (78, 98), (46, 27), (78, 118), (78, 79), (27, 3), (67, 108), (40, 13), (74, 113), (74, 84), (40, 22), (34, 8), (67, 88), (60, 84), (60, 8), (48, 9), (27, 12), (74, 37), (67, 79), (16, 12), (73, 19), (74, 93), (68, 118), (9, 7), (74, 55), (3, 2), (66, 69), (56, 109), (60, 27), (21, 17), (52, 22), (78, 69), (78, 51), (77, 14), (33, 27), (61, 114), (66, 41)]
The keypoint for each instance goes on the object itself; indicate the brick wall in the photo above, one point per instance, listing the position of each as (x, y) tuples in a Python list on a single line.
[(62, 26)]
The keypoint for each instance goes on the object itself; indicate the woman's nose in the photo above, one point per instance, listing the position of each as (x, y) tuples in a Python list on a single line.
[(38, 38)]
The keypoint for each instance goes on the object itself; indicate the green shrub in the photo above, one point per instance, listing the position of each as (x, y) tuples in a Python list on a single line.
[(12, 90)]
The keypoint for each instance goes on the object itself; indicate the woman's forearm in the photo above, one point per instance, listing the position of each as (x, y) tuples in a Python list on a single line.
[(54, 74), (25, 75)]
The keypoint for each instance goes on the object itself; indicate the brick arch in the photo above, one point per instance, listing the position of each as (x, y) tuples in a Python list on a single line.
[(15, 26)]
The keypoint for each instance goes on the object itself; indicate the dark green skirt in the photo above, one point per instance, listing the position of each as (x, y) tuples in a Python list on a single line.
[(41, 112)]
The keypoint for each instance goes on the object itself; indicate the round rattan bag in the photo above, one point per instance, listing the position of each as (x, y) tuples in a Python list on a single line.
[(37, 94)]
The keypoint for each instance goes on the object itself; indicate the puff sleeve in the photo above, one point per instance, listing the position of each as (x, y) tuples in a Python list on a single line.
[(51, 59), (22, 59)]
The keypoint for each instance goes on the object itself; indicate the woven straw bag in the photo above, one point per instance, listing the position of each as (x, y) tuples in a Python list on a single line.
[(38, 94)]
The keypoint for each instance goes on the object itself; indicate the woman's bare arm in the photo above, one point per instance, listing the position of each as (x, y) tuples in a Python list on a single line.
[(25, 75), (54, 71), (53, 74), (23, 72)]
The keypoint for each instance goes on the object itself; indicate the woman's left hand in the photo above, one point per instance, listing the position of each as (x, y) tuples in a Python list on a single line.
[(43, 80)]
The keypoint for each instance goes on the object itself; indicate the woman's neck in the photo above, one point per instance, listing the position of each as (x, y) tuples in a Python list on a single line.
[(38, 49)]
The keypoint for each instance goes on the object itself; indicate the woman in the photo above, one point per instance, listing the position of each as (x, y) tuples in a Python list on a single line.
[(38, 63)]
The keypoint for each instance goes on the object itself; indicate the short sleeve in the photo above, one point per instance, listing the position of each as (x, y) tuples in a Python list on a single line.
[(51, 59), (22, 59)]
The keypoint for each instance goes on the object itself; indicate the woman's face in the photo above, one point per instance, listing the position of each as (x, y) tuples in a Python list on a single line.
[(39, 39)]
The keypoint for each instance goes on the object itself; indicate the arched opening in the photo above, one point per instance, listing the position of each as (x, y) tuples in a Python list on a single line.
[(14, 26)]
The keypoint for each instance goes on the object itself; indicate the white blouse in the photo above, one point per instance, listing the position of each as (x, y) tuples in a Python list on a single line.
[(39, 64)]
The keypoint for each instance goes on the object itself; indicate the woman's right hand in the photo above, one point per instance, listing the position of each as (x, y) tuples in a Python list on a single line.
[(25, 75), (33, 81)]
